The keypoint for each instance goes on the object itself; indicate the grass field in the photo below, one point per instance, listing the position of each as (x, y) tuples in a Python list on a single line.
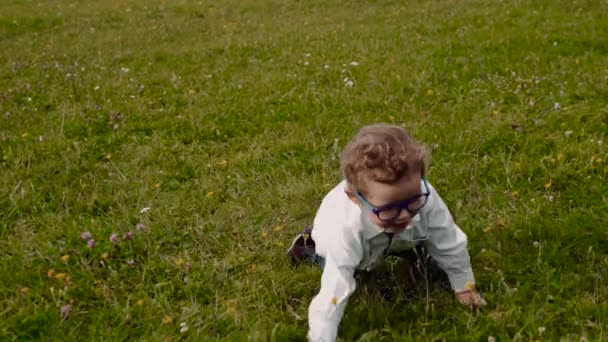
[(205, 133)]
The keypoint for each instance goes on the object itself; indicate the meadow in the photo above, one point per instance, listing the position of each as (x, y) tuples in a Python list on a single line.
[(157, 157)]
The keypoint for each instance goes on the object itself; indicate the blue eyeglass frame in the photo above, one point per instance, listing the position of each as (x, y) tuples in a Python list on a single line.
[(398, 205)]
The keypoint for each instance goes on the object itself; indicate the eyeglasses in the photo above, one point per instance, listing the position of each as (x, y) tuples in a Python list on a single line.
[(390, 212)]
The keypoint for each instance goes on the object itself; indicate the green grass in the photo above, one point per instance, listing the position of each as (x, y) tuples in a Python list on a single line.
[(225, 118)]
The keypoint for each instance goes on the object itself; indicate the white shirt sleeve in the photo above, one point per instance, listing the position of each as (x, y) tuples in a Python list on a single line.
[(342, 249), (447, 243), (327, 307)]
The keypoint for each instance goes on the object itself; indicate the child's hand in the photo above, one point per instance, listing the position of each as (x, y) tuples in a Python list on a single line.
[(470, 298)]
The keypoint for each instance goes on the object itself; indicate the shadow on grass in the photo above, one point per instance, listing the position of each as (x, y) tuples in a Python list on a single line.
[(402, 278)]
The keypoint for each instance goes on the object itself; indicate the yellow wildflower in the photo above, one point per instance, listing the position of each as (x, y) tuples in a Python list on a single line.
[(230, 309), (167, 320)]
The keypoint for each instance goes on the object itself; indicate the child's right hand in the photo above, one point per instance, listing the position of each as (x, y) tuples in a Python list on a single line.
[(470, 298)]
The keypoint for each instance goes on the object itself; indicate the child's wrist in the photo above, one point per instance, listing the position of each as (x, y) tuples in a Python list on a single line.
[(465, 291), (469, 287)]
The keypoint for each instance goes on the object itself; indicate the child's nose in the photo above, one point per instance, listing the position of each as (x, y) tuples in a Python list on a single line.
[(404, 216)]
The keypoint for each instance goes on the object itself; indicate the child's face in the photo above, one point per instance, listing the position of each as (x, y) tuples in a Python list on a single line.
[(391, 200)]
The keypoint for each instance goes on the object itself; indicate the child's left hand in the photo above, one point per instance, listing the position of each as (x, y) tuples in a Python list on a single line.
[(470, 298)]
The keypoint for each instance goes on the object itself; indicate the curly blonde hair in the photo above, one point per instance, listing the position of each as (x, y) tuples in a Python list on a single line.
[(382, 153)]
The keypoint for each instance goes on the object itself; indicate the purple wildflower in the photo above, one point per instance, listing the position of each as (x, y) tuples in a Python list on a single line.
[(86, 236), (128, 236), (91, 244), (140, 226), (113, 238), (65, 310)]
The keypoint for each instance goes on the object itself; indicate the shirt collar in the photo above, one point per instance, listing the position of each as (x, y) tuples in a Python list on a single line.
[(370, 230)]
